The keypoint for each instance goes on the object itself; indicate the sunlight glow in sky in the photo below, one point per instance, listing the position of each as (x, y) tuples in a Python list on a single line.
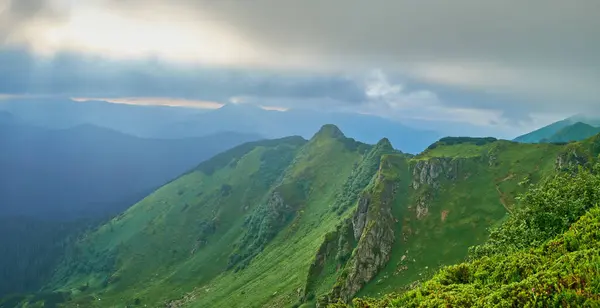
[(500, 64), (107, 33)]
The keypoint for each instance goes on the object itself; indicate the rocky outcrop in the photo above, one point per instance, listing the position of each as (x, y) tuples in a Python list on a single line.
[(569, 159), (361, 176), (422, 206), (492, 159), (431, 171), (359, 219), (373, 224)]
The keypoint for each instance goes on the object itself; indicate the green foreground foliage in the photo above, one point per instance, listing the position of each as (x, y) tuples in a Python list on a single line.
[(547, 254)]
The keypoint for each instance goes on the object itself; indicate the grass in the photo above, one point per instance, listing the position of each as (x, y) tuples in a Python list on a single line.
[(275, 275), (460, 212), (555, 265), (157, 241), (177, 244)]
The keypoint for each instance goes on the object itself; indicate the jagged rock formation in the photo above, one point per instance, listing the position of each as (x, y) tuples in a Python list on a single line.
[(373, 226), (362, 175), (569, 159), (428, 171), (422, 206), (578, 154), (359, 219), (342, 242)]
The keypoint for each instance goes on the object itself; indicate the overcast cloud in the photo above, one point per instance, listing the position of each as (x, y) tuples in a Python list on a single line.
[(488, 63)]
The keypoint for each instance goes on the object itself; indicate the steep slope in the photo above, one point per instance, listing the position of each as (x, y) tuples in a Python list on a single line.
[(88, 170), (545, 255), (425, 211), (547, 132), (180, 236), (259, 210), (309, 224), (544, 132), (276, 277), (575, 132)]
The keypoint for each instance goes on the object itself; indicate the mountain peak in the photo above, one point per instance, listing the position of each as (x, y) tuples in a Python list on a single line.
[(385, 144), (329, 131), (580, 125)]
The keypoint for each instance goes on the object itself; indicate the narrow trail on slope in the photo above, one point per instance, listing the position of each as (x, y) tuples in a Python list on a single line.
[(502, 199)]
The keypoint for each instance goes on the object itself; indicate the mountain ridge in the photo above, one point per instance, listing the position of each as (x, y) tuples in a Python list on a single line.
[(294, 222), (553, 131), (179, 122), (574, 132)]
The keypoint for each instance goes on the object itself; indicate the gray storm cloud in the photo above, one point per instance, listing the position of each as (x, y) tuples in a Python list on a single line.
[(531, 32), (540, 50), (544, 49), (532, 56), (15, 14)]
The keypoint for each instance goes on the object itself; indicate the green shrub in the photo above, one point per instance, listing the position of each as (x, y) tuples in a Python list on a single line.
[(546, 210), (547, 254)]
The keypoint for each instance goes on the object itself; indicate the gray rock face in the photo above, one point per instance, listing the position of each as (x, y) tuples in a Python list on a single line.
[(492, 160), (359, 219), (429, 171), (422, 207), (276, 202), (569, 159), (375, 245)]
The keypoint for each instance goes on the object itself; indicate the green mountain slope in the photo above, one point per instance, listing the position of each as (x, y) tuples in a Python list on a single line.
[(180, 235), (575, 132), (291, 222), (243, 216), (545, 255), (544, 132), (438, 204), (553, 131)]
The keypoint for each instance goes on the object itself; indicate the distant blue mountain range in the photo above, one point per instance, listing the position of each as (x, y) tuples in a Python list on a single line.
[(177, 122), (87, 171)]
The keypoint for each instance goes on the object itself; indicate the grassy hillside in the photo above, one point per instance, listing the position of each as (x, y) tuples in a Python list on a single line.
[(576, 132), (179, 236), (569, 129), (544, 132), (441, 202), (247, 213), (290, 223), (545, 255)]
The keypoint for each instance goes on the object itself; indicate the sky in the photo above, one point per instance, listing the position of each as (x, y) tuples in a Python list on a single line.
[(499, 67)]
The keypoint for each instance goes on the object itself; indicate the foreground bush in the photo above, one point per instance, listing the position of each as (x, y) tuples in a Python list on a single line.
[(544, 255)]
